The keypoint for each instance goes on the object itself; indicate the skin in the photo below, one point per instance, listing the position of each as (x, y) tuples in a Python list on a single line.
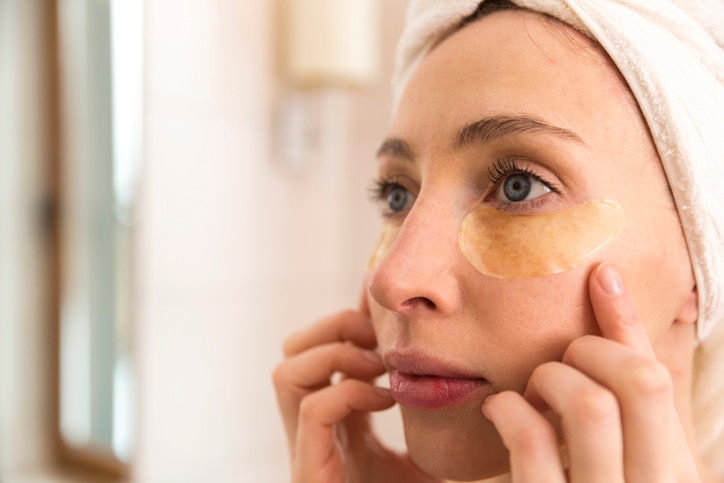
[(597, 359)]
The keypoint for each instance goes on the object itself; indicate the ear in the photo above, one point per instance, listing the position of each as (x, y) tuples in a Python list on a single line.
[(689, 311)]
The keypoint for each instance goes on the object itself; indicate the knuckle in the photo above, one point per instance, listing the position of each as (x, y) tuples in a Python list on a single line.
[(649, 379), (333, 357), (595, 405), (347, 387), (341, 321), (309, 408), (280, 375), (530, 439), (338, 353), (346, 314)]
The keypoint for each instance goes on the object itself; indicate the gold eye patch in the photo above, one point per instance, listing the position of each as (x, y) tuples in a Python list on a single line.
[(505, 245), (383, 246)]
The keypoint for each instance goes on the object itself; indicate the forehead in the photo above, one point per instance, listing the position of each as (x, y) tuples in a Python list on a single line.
[(515, 62)]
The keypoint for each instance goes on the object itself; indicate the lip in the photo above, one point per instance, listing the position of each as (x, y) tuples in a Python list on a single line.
[(422, 382)]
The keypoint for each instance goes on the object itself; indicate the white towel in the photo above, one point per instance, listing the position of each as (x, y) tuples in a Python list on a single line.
[(671, 53)]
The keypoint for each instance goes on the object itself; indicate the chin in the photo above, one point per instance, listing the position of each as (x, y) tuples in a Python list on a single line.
[(457, 445)]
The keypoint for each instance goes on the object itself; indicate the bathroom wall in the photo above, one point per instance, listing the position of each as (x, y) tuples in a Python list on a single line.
[(24, 336), (235, 249)]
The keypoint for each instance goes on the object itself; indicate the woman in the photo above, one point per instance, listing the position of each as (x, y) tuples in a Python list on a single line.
[(545, 290)]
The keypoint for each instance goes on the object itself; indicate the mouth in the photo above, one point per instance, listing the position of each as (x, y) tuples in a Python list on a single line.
[(421, 382)]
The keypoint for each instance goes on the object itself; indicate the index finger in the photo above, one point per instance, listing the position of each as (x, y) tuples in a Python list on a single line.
[(348, 325), (615, 311)]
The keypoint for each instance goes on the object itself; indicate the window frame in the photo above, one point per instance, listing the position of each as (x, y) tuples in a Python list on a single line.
[(82, 464)]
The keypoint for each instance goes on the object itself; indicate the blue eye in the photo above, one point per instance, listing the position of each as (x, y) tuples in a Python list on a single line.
[(515, 183), (397, 198), (517, 187), (520, 187), (393, 196)]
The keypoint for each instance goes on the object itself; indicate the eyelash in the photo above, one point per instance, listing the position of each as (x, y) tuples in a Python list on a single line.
[(510, 165), (379, 188)]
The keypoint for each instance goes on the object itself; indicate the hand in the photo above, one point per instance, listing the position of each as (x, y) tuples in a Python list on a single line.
[(614, 401), (327, 425)]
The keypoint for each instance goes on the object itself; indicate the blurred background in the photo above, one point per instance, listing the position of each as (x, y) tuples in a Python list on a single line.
[(182, 184)]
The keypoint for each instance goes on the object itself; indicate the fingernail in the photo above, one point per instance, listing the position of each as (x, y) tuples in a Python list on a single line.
[(383, 391), (373, 356), (610, 280)]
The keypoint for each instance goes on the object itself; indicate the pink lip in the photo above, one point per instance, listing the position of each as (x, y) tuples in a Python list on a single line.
[(421, 382)]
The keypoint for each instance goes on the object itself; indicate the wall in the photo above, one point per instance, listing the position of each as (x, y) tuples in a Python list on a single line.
[(24, 337), (234, 249)]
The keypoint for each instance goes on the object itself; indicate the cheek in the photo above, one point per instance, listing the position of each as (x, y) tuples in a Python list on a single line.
[(655, 266), (529, 322), (534, 282)]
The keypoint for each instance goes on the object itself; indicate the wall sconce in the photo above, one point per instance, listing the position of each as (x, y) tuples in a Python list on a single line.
[(328, 47)]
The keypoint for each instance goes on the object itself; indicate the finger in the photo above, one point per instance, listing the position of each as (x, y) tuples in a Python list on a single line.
[(642, 385), (644, 389), (364, 307), (309, 371), (349, 326), (528, 436), (317, 450), (590, 421), (615, 311), (313, 369)]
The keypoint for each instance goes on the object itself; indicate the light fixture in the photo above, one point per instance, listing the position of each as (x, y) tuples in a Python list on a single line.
[(327, 48)]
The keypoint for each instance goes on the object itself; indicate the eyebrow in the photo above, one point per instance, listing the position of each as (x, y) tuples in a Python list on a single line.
[(492, 128), (485, 130), (396, 148)]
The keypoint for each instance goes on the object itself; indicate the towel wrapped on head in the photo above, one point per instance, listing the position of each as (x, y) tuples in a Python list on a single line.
[(671, 54)]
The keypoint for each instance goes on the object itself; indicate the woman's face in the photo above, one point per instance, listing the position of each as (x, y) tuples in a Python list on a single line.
[(434, 313)]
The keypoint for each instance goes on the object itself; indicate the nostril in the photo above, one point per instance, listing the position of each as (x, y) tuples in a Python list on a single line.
[(416, 302)]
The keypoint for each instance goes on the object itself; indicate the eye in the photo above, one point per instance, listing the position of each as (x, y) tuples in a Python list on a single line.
[(520, 187), (516, 185), (398, 198), (393, 196)]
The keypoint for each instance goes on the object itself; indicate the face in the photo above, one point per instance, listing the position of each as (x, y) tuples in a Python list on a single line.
[(511, 118)]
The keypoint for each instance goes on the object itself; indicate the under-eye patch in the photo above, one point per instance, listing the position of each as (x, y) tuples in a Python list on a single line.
[(505, 245)]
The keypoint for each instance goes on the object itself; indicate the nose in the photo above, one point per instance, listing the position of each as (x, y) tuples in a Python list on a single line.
[(421, 272)]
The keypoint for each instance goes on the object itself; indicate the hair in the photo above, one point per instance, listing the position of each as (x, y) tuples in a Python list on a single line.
[(486, 8)]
